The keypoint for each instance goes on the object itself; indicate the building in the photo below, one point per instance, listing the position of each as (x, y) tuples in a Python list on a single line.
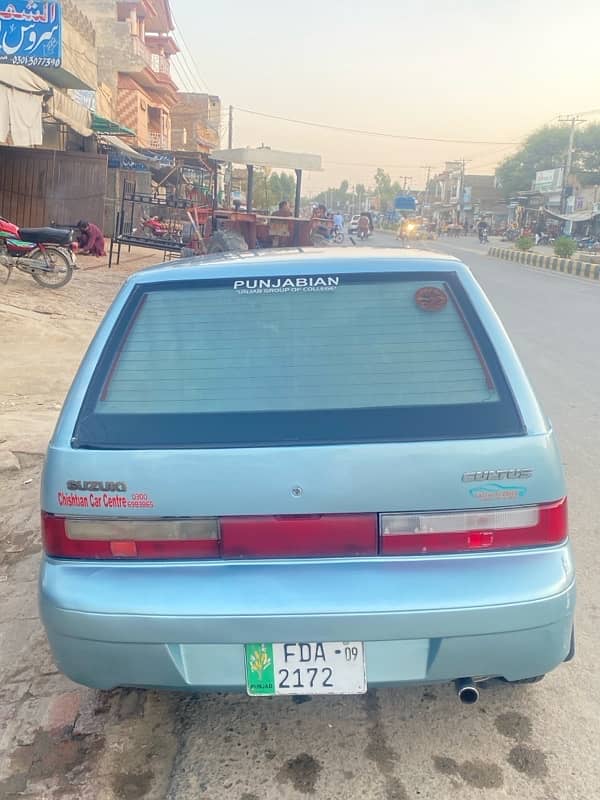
[(454, 197), (444, 194), (582, 206), (134, 45), (481, 197), (195, 122), (60, 123)]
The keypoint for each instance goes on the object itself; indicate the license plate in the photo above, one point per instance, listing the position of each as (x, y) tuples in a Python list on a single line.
[(305, 668)]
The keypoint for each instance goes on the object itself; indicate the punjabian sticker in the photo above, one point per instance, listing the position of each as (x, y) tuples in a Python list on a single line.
[(326, 283)]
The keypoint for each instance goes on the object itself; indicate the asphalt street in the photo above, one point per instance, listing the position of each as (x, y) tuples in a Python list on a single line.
[(535, 742)]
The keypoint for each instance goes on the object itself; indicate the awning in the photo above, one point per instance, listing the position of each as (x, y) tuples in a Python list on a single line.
[(73, 114), (579, 216), (22, 79), (104, 125), (21, 97), (265, 157), (114, 141)]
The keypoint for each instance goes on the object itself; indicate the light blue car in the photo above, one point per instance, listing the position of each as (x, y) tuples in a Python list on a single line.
[(304, 473)]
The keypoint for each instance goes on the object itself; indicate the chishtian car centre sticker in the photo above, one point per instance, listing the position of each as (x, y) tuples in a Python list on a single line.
[(431, 298)]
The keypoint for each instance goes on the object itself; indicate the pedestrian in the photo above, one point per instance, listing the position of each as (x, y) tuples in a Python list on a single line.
[(283, 209), (90, 239), (338, 221)]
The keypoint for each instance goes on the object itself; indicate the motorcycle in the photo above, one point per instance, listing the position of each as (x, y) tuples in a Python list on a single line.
[(588, 243), (152, 227), (483, 236), (337, 234), (510, 235), (47, 254)]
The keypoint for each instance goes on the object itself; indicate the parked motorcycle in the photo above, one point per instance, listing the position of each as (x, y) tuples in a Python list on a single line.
[(588, 243), (151, 227), (47, 254), (510, 235)]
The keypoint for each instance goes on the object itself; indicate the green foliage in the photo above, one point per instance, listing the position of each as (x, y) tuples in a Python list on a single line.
[(524, 243), (339, 198), (272, 187), (564, 246), (546, 148), (543, 149)]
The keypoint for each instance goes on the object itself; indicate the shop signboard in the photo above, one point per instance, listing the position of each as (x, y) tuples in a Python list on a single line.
[(467, 198), (30, 33), (548, 180)]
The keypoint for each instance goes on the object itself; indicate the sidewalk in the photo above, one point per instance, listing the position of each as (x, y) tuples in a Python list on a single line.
[(580, 264)]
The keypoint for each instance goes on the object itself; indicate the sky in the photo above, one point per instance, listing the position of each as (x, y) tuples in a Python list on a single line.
[(462, 70)]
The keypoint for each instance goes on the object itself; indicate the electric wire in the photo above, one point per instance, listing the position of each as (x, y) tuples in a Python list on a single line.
[(359, 132)]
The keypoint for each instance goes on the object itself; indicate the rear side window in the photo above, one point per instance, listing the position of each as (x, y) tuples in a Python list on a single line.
[(296, 360)]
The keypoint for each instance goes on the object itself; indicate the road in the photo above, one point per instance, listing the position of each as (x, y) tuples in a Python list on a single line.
[(528, 743)]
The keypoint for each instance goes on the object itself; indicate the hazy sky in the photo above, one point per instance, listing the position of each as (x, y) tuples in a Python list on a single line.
[(457, 70)]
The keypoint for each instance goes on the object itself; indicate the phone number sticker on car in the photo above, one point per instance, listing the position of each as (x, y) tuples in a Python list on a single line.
[(305, 668)]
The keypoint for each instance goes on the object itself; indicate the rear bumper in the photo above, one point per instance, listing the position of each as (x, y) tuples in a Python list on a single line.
[(183, 625)]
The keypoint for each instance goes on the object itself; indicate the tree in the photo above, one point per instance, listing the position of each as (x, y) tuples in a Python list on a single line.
[(337, 199), (385, 190), (543, 149), (271, 187), (587, 148), (546, 148)]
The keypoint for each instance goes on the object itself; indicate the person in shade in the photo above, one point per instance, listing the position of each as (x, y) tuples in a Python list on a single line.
[(90, 239)]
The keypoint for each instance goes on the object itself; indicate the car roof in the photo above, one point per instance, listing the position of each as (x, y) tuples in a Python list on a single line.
[(282, 262)]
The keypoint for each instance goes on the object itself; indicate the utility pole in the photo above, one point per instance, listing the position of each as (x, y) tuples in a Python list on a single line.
[(461, 188), (230, 165), (404, 178), (573, 120), (428, 167)]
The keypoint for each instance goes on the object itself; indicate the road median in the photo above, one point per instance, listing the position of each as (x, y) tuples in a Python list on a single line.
[(568, 266)]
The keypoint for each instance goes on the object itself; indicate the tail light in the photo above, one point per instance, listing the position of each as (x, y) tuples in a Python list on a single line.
[(115, 538), (305, 536), (491, 529), (299, 536), (228, 537)]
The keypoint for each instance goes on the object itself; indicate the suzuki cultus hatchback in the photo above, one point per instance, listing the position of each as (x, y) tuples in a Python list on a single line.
[(304, 474)]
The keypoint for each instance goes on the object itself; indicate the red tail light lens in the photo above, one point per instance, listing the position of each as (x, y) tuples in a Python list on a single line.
[(299, 536), (114, 538), (490, 529)]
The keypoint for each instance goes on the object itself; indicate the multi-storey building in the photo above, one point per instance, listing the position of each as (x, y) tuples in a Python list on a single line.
[(134, 46)]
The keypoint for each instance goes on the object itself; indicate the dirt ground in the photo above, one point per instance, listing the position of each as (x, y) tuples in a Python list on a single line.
[(57, 740)]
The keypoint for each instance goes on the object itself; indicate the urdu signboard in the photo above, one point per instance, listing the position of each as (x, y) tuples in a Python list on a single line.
[(30, 33), (548, 180)]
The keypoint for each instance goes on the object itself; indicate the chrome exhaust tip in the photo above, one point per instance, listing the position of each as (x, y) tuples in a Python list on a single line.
[(467, 691)]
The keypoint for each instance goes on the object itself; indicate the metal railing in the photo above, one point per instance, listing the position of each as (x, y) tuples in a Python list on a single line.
[(156, 62), (158, 141)]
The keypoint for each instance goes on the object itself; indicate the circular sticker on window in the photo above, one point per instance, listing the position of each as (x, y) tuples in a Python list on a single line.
[(430, 298)]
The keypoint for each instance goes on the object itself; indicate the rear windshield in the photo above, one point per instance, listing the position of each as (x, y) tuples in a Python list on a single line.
[(296, 360)]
